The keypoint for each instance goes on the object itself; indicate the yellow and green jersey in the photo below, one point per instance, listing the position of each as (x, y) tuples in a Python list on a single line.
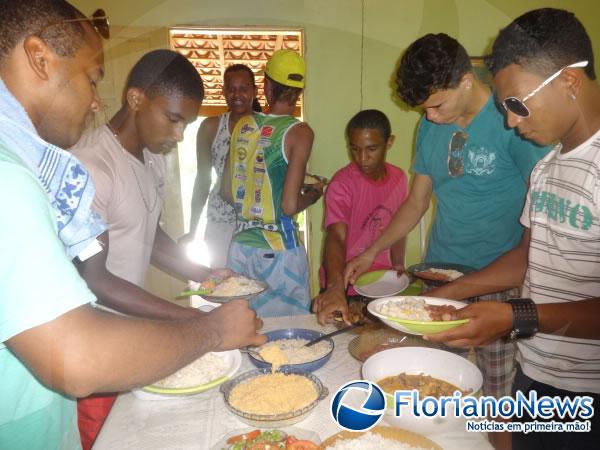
[(258, 168)]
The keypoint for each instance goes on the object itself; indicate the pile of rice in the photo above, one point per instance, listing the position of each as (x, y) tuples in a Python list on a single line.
[(450, 274), (371, 441), (237, 285), (409, 308), (296, 351), (204, 370)]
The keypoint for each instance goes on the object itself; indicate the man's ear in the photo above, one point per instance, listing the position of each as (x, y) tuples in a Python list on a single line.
[(38, 55), (572, 79), (135, 97), (390, 142)]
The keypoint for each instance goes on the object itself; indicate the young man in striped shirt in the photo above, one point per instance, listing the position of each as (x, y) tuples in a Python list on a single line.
[(543, 69)]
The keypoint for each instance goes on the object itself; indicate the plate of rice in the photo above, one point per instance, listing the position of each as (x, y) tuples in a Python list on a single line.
[(207, 372), (233, 288), (410, 314), (378, 438), (438, 273)]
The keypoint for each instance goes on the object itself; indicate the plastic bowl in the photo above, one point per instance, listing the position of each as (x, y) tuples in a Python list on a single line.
[(295, 333), (273, 420), (436, 363), (417, 326)]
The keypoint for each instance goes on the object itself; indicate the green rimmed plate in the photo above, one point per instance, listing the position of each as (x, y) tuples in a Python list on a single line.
[(381, 283), (417, 327), (233, 360)]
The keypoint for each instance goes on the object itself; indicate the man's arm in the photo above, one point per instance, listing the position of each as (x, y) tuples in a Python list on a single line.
[(334, 297), (297, 147), (506, 272), (397, 254), (123, 296), (404, 220), (204, 139), (86, 350), (170, 257)]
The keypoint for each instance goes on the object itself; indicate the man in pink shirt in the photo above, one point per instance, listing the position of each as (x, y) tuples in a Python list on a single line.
[(359, 203)]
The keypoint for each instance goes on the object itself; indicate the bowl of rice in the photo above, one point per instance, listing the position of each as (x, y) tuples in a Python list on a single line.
[(291, 342), (206, 372), (264, 399), (410, 314)]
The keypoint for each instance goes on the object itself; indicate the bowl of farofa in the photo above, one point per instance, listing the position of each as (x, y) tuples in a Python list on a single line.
[(273, 400)]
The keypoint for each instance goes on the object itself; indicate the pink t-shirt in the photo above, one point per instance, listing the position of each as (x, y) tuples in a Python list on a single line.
[(365, 206)]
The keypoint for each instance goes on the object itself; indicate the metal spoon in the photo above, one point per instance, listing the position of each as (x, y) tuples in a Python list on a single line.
[(360, 323), (253, 353)]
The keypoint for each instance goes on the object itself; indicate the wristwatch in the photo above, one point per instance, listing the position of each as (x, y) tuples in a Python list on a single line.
[(525, 318)]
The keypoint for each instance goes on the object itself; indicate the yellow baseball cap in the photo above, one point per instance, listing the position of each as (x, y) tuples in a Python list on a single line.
[(286, 67)]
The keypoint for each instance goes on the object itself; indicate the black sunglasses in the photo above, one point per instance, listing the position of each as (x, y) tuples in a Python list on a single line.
[(99, 20), (518, 107)]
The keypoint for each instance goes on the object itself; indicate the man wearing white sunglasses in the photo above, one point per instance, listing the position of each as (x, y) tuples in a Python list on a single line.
[(543, 68)]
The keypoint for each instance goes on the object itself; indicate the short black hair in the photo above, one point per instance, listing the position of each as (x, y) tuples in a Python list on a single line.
[(19, 19), (166, 72), (432, 63), (370, 118), (283, 93), (240, 68), (542, 41), (256, 107)]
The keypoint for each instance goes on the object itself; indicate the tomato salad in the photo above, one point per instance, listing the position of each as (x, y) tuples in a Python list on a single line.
[(268, 440)]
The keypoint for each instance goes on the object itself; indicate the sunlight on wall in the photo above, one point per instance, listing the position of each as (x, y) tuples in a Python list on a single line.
[(197, 250)]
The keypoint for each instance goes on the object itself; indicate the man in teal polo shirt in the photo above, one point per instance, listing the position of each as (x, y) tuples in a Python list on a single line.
[(478, 170)]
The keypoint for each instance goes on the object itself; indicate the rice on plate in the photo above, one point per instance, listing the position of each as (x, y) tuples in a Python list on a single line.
[(237, 285), (371, 441), (409, 308), (205, 369)]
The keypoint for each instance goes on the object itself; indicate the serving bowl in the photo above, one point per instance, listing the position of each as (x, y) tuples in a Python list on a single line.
[(295, 333), (273, 420), (418, 327), (436, 363)]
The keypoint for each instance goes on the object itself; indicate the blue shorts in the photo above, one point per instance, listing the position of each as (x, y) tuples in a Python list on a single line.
[(286, 273)]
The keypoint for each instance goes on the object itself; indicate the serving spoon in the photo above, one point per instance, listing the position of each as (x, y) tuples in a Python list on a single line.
[(360, 323)]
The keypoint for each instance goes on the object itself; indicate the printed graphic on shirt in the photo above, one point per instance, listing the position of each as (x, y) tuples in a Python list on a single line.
[(480, 161), (375, 222), (562, 210)]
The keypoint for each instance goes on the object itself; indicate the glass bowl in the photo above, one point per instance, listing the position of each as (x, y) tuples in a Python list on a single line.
[(295, 333), (273, 420)]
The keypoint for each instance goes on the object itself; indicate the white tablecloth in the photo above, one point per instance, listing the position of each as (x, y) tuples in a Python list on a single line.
[(201, 421)]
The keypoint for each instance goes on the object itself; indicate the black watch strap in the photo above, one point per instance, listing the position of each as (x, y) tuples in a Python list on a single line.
[(525, 318)]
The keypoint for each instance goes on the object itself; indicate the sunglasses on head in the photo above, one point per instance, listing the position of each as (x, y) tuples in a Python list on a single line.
[(456, 154), (518, 107), (99, 20)]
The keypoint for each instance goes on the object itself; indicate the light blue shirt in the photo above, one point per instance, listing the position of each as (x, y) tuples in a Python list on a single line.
[(38, 283), (477, 214)]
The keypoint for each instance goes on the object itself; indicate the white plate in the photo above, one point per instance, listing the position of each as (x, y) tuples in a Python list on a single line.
[(233, 359), (385, 285), (299, 433)]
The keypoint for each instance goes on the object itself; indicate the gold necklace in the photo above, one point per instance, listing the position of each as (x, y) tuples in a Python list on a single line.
[(137, 181)]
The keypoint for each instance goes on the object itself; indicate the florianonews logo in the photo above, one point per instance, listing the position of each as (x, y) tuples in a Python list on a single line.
[(358, 405)]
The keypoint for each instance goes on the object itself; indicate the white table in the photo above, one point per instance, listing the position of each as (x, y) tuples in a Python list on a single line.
[(201, 421)]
